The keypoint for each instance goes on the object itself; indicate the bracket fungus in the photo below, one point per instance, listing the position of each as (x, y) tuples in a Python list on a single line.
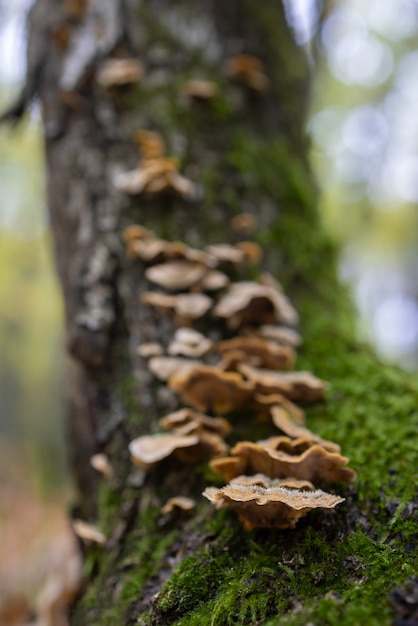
[(189, 342), (156, 174), (283, 421), (271, 481), (269, 505), (119, 72), (178, 503), (88, 532), (302, 386), (199, 89), (259, 352), (249, 71), (181, 418), (253, 304), (208, 388), (282, 457), (148, 450)]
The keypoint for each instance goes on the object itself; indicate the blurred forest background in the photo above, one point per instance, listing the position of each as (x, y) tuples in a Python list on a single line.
[(364, 128)]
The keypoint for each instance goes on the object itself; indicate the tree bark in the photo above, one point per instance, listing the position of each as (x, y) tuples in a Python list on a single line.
[(245, 151)]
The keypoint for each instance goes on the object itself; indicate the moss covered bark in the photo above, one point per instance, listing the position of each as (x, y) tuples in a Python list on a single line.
[(246, 151)]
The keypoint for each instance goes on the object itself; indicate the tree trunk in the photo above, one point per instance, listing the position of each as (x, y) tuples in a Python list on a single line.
[(244, 151)]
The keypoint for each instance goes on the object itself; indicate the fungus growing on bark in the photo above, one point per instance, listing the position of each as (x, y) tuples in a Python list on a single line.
[(283, 421), (151, 144), (192, 443), (119, 72), (189, 342), (186, 306), (150, 349), (208, 388), (165, 367), (259, 352), (244, 223), (302, 386), (280, 334), (176, 275), (272, 506), (253, 253), (253, 304), (199, 89), (148, 450), (183, 417), (178, 503), (280, 457), (249, 71), (264, 403), (88, 532), (226, 254), (101, 463)]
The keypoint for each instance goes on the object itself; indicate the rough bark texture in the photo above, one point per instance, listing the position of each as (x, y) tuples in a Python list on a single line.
[(246, 152)]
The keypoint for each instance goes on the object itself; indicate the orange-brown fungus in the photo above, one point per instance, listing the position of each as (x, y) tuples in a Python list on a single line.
[(148, 450), (207, 388), (264, 404), (283, 421), (249, 71), (189, 342), (244, 223), (176, 275), (253, 253), (252, 304), (302, 386), (181, 418), (165, 367), (259, 352), (178, 503), (280, 457), (273, 506), (119, 72), (200, 89)]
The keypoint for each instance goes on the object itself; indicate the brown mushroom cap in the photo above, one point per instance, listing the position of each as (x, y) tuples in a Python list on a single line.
[(165, 367), (136, 231), (151, 144), (186, 416), (118, 72), (266, 402), (225, 253), (88, 532), (101, 463), (189, 342), (270, 507), (187, 306), (200, 89), (148, 250), (150, 349), (249, 71), (207, 388), (179, 503), (259, 352), (281, 457), (283, 421), (244, 222), (214, 280), (150, 449), (253, 253), (280, 334), (254, 304), (176, 275), (302, 386)]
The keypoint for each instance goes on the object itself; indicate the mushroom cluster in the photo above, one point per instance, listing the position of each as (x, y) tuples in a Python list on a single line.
[(240, 367), (156, 173)]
